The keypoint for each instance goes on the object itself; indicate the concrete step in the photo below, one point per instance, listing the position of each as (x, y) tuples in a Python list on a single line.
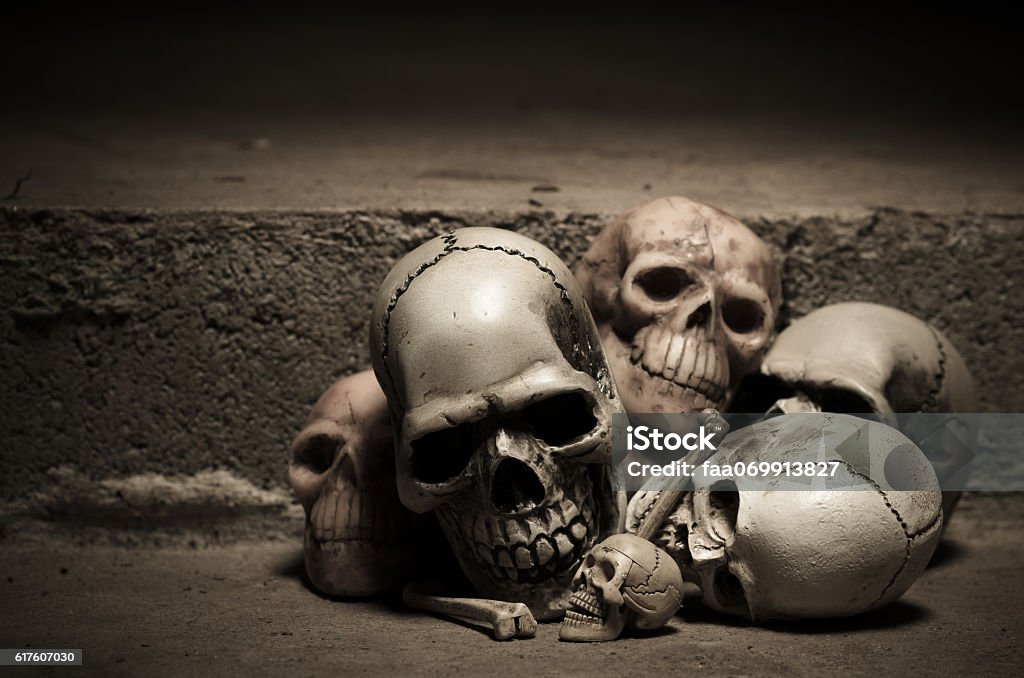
[(158, 341)]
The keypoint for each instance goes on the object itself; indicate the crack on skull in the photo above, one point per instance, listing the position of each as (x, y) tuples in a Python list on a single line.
[(711, 245), (931, 403), (903, 525)]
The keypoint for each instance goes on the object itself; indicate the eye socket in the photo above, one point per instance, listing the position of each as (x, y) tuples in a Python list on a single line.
[(442, 455), (758, 392), (728, 589), (607, 570), (560, 419), (318, 453), (724, 499), (843, 401), (742, 315), (663, 283)]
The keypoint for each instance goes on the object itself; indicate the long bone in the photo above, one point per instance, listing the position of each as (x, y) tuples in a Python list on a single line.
[(507, 620)]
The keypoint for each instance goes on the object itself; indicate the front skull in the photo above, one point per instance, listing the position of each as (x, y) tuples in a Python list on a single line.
[(685, 297), (624, 580), (358, 537), (502, 401), (767, 553)]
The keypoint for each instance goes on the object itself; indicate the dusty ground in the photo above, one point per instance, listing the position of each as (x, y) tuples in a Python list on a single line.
[(245, 610)]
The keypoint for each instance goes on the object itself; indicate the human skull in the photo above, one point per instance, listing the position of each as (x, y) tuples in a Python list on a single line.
[(858, 357), (623, 581), (358, 536), (685, 297), (764, 552), (502, 401)]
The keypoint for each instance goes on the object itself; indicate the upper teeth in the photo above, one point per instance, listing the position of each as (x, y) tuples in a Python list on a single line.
[(574, 618), (691, 360), (586, 601), (355, 516), (534, 547), (553, 553), (585, 609)]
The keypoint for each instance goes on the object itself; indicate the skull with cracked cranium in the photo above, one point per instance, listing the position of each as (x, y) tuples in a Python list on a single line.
[(625, 581), (501, 400), (685, 297)]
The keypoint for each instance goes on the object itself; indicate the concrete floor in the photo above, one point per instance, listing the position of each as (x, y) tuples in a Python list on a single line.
[(244, 610)]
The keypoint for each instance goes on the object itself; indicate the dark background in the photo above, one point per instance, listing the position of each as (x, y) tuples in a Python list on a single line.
[(936, 64)]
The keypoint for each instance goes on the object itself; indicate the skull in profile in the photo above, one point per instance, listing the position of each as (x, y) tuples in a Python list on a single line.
[(623, 581), (804, 546)]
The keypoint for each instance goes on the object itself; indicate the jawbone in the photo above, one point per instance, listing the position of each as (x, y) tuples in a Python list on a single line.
[(531, 558)]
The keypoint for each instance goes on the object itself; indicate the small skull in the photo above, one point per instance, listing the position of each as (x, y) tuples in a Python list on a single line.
[(358, 536), (858, 357), (623, 581), (502, 401), (768, 553), (685, 298)]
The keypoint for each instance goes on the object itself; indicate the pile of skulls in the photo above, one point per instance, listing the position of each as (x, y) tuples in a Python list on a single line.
[(489, 410)]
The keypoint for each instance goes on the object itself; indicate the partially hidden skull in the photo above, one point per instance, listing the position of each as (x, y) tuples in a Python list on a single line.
[(858, 357), (623, 581), (770, 553), (358, 536), (502, 402), (685, 297)]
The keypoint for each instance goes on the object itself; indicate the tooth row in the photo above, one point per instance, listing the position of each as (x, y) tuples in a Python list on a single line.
[(492, 530), (576, 619), (360, 533), (586, 601), (548, 551), (340, 516), (548, 543), (689, 360)]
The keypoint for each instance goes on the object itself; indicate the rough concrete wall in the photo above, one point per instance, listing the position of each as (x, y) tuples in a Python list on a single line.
[(156, 342)]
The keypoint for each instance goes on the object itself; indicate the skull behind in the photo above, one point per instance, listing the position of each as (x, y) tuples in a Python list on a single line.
[(766, 553), (685, 297), (357, 536), (858, 357), (623, 581), (502, 400)]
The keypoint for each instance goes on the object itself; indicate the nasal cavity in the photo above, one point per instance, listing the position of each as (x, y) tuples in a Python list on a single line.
[(700, 317), (347, 471), (515, 488)]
